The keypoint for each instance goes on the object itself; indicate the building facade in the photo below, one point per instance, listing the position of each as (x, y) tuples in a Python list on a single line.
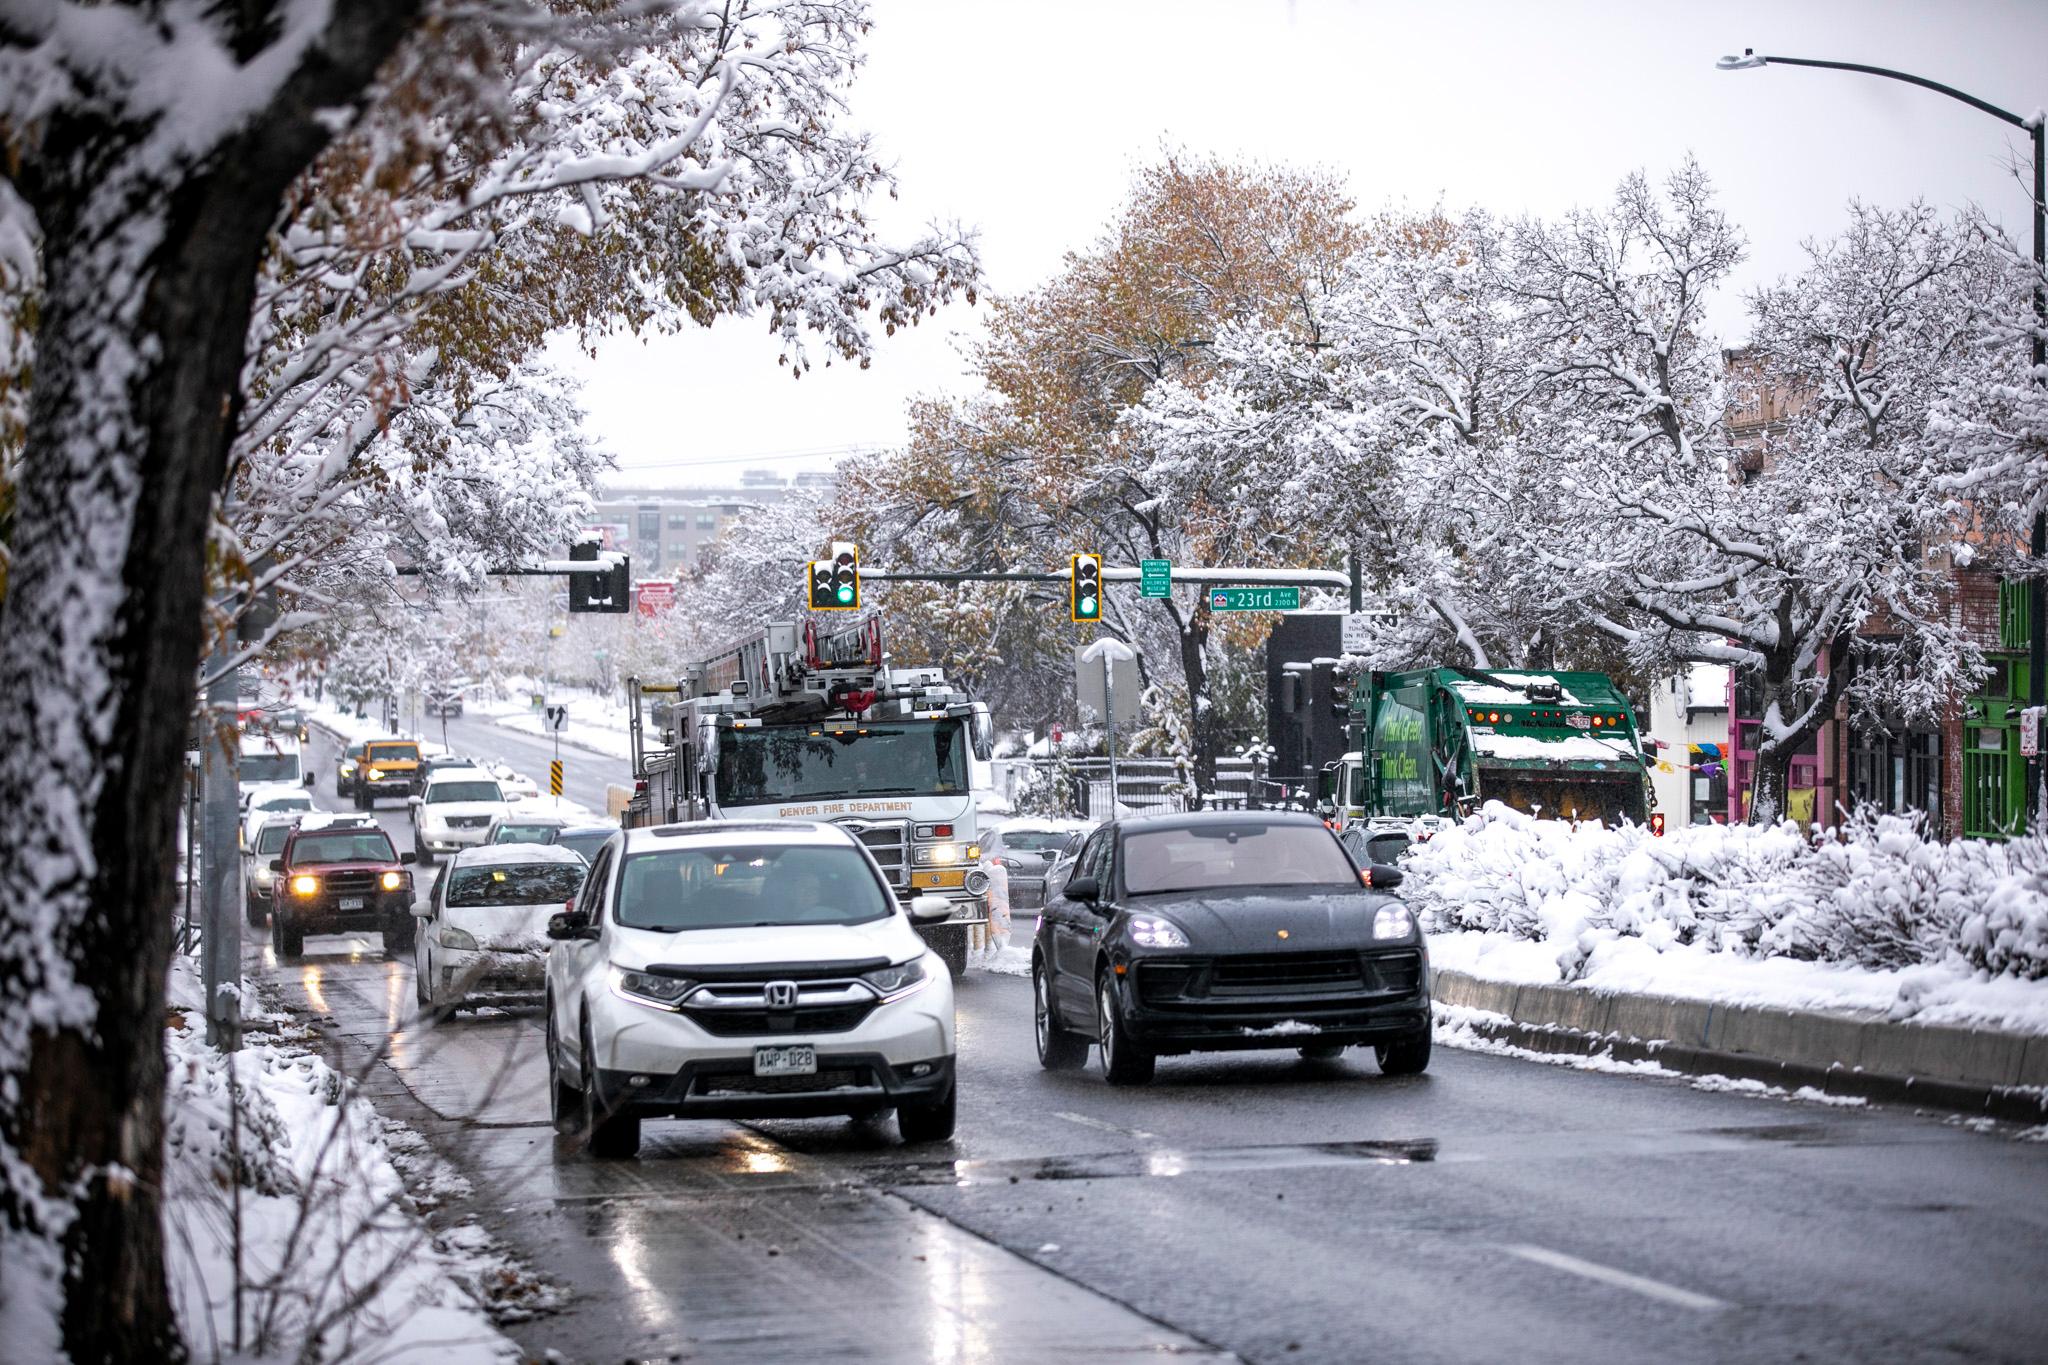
[(1689, 724), (666, 530)]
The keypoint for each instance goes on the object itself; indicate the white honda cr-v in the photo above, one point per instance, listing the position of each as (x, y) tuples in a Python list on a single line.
[(744, 970)]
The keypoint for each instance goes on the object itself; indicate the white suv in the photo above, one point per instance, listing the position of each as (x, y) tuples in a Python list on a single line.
[(455, 811), (744, 970)]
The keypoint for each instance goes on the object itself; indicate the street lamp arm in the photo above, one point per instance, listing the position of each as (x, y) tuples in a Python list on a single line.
[(1750, 59)]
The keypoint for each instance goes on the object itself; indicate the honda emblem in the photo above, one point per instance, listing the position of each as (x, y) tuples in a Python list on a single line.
[(781, 995)]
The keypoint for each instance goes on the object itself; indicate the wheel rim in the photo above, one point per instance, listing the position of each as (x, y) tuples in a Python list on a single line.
[(1039, 1011), (1106, 1028)]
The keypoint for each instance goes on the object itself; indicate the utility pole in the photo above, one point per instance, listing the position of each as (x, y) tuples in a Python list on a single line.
[(220, 933)]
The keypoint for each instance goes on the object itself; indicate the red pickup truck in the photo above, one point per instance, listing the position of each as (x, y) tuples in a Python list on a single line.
[(338, 880)]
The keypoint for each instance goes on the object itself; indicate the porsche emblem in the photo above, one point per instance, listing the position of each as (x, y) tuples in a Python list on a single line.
[(1283, 933)]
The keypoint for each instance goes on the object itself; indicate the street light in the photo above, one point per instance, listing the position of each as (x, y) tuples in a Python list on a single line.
[(2037, 594)]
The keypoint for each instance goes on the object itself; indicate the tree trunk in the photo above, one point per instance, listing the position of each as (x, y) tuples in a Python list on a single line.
[(1194, 635), (1769, 783), (149, 270)]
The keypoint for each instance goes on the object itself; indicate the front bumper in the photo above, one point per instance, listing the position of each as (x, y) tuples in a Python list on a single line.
[(486, 977), (1169, 1008), (669, 1053), (452, 840), (323, 914), (398, 784)]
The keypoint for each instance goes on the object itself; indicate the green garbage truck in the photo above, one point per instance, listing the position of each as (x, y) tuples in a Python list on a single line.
[(1439, 742)]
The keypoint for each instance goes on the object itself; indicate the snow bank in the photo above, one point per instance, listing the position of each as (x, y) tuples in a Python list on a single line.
[(285, 1207), (1877, 894)]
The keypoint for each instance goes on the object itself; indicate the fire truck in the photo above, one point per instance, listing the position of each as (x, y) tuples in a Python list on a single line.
[(795, 722)]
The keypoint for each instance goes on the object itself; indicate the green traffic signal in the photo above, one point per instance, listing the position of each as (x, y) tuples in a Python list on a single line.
[(1084, 588)]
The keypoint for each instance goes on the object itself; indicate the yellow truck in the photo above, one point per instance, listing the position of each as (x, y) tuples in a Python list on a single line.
[(388, 767)]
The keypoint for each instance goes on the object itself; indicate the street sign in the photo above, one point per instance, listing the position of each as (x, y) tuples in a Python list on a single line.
[(1155, 578), (1254, 599), (1106, 680), (555, 778), (656, 595), (1359, 628), (558, 717)]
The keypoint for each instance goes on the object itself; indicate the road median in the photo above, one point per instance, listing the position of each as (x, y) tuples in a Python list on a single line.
[(1860, 1054)]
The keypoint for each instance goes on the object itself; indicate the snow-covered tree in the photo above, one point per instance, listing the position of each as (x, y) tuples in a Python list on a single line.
[(287, 251)]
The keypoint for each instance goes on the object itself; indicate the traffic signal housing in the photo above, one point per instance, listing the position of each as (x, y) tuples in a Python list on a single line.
[(1084, 588), (608, 591), (835, 582)]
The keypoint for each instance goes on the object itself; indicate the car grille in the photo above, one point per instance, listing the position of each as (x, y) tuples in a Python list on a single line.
[(350, 883), (1251, 981), (889, 841), (741, 1023), (468, 821), (746, 1083)]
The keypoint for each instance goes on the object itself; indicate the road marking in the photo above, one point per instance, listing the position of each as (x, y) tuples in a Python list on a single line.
[(1620, 1279), (1101, 1126)]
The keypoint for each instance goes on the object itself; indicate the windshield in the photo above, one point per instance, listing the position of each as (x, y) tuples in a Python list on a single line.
[(749, 886), (357, 846), (1248, 853), (524, 834), (522, 884), (463, 791), (1035, 840), (264, 767), (586, 844), (394, 753), (793, 762), (299, 802), (270, 838)]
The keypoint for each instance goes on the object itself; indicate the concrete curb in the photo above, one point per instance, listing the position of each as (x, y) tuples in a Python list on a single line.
[(1986, 1071)]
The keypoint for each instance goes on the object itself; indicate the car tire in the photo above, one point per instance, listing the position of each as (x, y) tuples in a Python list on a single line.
[(289, 938), (252, 907), (1321, 1052), (951, 946), (419, 979), (1407, 1057), (931, 1122), (421, 854), (607, 1134), (1058, 1050), (565, 1101), (1124, 1061)]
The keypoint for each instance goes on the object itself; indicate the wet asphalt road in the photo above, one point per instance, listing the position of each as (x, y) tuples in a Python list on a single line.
[(1254, 1206)]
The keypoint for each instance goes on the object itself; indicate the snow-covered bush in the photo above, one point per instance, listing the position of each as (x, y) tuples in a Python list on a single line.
[(1878, 892)]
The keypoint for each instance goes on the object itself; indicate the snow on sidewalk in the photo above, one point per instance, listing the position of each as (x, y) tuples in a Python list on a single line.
[(332, 1245)]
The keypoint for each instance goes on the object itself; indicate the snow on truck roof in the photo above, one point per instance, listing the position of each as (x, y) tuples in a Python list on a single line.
[(1489, 694), (1564, 748)]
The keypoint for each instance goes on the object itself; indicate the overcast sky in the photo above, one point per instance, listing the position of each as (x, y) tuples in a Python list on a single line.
[(1024, 121)]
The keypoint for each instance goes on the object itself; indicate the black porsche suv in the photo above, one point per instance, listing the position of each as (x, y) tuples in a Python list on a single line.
[(1219, 931)]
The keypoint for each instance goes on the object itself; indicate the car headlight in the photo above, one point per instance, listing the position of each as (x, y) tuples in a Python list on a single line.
[(899, 980), (977, 882), (665, 992), (1150, 931), (347, 768), (391, 881), (1393, 921), (937, 853), (376, 774), (305, 886), (452, 937)]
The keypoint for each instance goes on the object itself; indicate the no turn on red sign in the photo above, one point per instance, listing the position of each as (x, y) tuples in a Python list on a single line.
[(656, 595)]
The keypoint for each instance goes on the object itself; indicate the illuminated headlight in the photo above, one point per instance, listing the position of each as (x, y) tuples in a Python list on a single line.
[(305, 886), (347, 768), (376, 774), (899, 980), (391, 881), (937, 853), (1393, 921), (460, 939), (666, 992), (1150, 931)]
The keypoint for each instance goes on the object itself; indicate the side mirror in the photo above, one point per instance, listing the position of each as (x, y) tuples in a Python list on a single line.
[(277, 864), (1083, 889), (415, 800), (930, 909), (423, 910), (408, 857), (309, 779), (1381, 876), (568, 926)]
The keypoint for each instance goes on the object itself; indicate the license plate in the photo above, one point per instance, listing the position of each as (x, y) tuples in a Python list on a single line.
[(350, 903), (801, 1060)]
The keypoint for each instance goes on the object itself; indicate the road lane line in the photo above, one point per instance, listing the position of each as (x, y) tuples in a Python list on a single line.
[(1620, 1279), (1102, 1127)]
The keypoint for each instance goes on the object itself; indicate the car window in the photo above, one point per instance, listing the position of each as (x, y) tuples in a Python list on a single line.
[(356, 846), (516, 884), (590, 900), (1085, 865), (524, 834), (463, 791), (395, 753), (271, 838), (586, 844), (749, 886), (1033, 840), (1234, 854)]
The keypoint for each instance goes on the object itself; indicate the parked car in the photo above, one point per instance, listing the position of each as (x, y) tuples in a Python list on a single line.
[(1221, 930), (483, 930), (1026, 851), (518, 786), (346, 766), (340, 880), (807, 989), (258, 880), (455, 811), (524, 827), (389, 767), (585, 839)]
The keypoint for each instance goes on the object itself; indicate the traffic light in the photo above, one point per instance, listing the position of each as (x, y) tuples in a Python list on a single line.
[(609, 591), (1084, 592), (835, 582)]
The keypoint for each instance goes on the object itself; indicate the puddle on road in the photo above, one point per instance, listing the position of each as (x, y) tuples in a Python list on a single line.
[(1162, 1162)]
